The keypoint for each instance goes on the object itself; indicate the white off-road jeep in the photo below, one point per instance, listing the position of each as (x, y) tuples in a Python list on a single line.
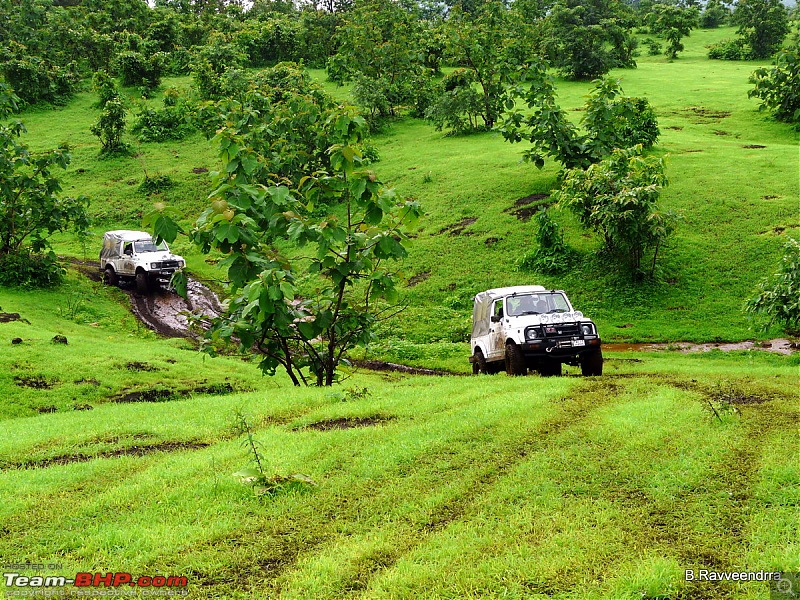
[(134, 256), (528, 327)]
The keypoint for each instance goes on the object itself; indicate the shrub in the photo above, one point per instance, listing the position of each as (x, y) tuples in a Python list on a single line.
[(777, 296), (173, 122), (778, 87), (552, 256), (27, 269), (136, 69), (36, 80), (110, 127), (729, 50)]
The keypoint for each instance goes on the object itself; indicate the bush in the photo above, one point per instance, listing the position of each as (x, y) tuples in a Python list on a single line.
[(653, 47), (552, 256), (136, 69), (459, 105), (36, 80), (778, 87), (27, 269), (173, 122), (729, 50), (777, 296), (110, 127), (338, 70)]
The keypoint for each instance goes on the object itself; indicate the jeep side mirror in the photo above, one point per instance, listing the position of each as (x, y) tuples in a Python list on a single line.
[(495, 319)]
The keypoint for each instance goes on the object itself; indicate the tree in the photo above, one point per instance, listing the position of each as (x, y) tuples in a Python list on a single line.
[(618, 199), (307, 255), (31, 209), (380, 40), (610, 121), (714, 14), (777, 296), (673, 22), (478, 43), (762, 24), (111, 124), (587, 39), (778, 87)]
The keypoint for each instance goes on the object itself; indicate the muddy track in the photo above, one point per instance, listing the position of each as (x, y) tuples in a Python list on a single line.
[(163, 310)]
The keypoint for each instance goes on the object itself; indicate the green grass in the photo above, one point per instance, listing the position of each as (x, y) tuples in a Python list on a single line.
[(506, 487)]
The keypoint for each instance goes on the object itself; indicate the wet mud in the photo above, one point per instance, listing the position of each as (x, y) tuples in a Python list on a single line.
[(778, 346)]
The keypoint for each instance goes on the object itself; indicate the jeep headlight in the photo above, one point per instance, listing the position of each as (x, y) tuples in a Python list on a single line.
[(533, 333), (587, 329)]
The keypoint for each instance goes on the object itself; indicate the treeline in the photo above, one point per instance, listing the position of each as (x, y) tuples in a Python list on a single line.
[(390, 49)]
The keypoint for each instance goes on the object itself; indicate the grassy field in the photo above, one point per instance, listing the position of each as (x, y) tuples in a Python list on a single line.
[(428, 487), (118, 449)]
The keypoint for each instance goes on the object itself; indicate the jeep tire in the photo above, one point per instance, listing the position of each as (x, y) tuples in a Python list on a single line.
[(515, 360), (478, 363), (142, 282), (592, 363), (110, 276)]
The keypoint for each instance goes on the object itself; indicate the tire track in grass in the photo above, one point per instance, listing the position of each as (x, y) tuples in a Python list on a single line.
[(575, 409), (263, 566)]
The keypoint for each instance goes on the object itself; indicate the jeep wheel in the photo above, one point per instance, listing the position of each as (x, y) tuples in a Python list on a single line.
[(142, 282), (550, 368), (110, 276), (478, 363), (515, 361), (592, 363)]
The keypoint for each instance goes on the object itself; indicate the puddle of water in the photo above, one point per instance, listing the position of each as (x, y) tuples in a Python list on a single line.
[(779, 346)]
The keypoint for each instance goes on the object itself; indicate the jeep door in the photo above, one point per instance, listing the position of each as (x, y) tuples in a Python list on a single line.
[(126, 266), (497, 338)]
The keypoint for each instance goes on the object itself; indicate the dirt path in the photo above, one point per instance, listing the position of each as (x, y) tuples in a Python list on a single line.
[(162, 310), (779, 346)]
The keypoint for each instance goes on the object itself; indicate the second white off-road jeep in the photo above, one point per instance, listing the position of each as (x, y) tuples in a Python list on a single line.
[(528, 327), (134, 256)]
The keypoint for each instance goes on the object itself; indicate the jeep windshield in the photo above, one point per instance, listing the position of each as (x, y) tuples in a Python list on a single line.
[(148, 246), (536, 304)]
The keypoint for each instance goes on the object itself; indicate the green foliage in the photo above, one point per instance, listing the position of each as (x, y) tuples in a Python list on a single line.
[(673, 22), (36, 79), (610, 121), (137, 69), (30, 270), (654, 47), (284, 156), (587, 39), (617, 198), (762, 25), (551, 256), (155, 184), (734, 49), (380, 41), (111, 124), (458, 107), (268, 42), (172, 122), (778, 296), (30, 208), (778, 87), (714, 14)]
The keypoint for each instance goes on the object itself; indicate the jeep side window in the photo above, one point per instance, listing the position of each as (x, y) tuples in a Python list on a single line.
[(498, 309), (128, 249)]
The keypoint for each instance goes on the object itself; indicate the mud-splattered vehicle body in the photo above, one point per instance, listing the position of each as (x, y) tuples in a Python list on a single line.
[(134, 256), (515, 329)]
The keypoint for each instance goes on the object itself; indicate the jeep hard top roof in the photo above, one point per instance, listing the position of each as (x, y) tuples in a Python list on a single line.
[(126, 235)]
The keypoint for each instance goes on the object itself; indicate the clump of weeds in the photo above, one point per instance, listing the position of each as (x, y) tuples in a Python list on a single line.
[(256, 476)]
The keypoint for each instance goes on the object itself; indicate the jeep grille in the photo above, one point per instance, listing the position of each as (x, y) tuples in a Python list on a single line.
[(166, 264), (561, 329)]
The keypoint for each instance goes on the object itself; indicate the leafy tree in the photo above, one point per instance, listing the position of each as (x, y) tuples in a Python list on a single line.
[(762, 24), (777, 296), (618, 199), (673, 22), (478, 43), (31, 209), (714, 14), (138, 69), (551, 254), (303, 312), (111, 124), (778, 87), (381, 41), (587, 39), (610, 121), (37, 78)]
